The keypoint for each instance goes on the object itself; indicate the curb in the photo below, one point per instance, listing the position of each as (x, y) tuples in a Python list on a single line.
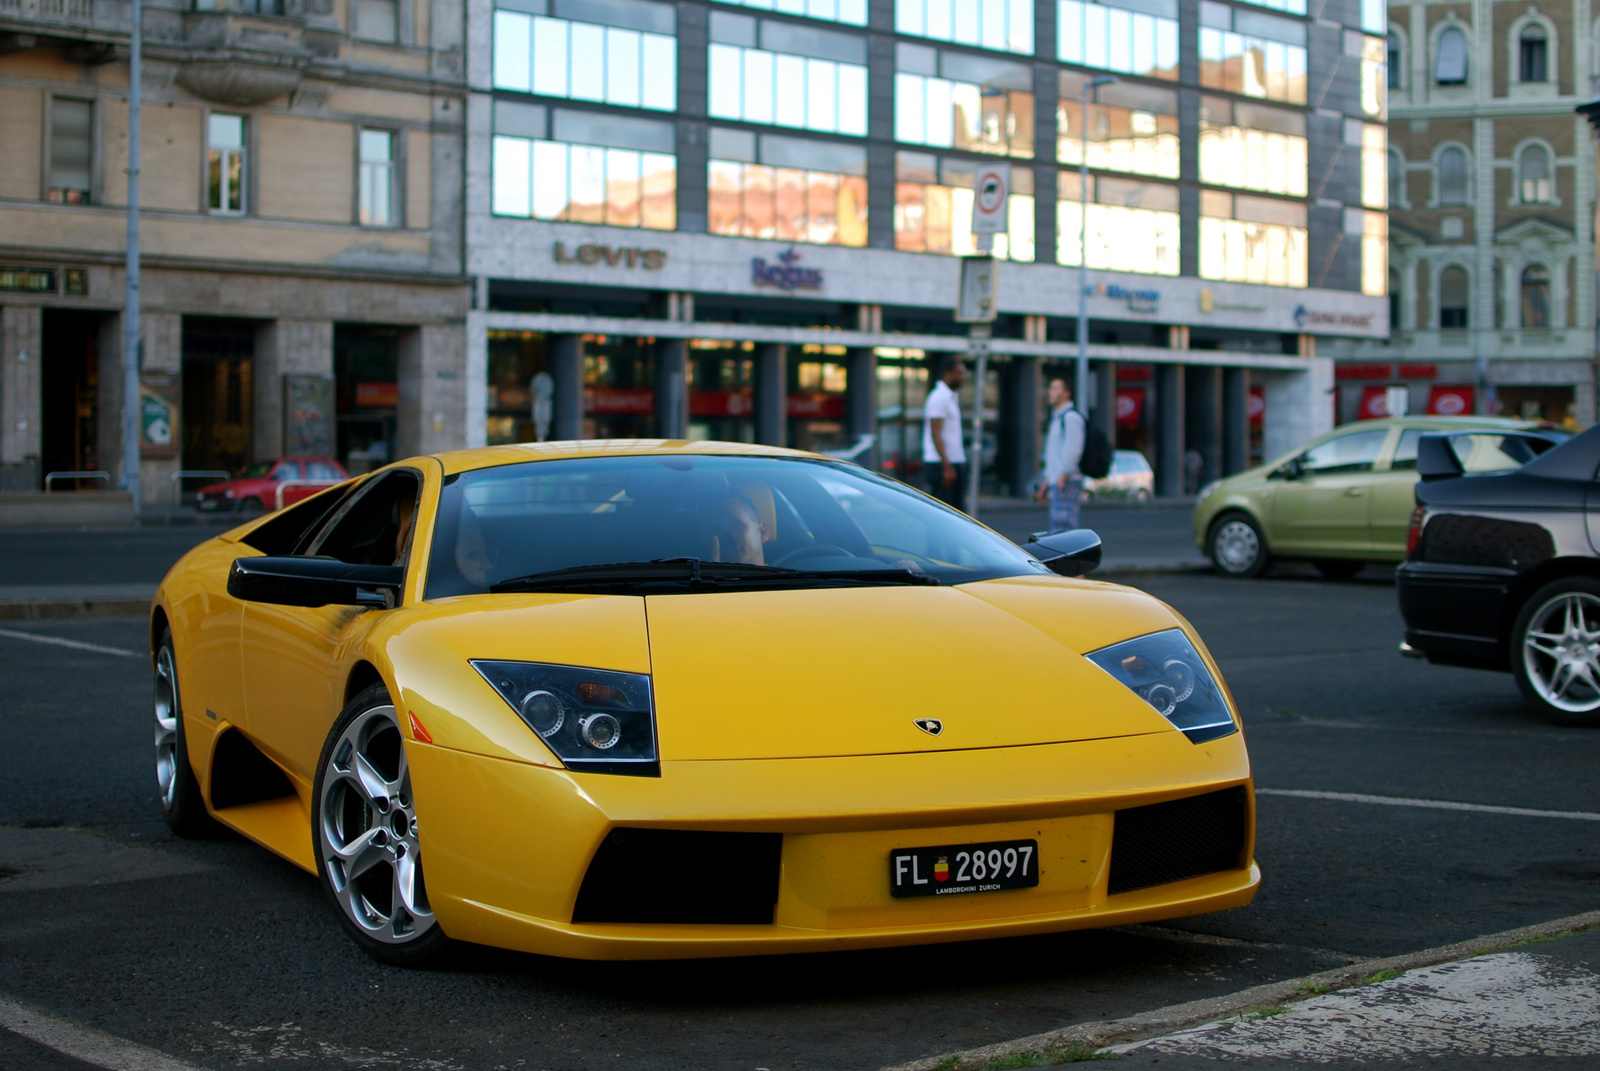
[(1150, 569), (1080, 1041), (57, 609)]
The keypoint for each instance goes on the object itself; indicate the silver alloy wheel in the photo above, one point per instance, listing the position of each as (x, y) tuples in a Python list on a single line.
[(367, 831), (166, 727), (1236, 546), (1561, 652)]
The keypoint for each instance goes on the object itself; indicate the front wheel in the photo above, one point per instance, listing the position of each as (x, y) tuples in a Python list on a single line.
[(1555, 651), (181, 802), (365, 835), (1237, 547)]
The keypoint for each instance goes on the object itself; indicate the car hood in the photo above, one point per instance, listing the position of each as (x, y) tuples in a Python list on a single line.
[(849, 671)]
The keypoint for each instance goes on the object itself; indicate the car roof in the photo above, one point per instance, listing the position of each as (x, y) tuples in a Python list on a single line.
[(484, 457), (1450, 423)]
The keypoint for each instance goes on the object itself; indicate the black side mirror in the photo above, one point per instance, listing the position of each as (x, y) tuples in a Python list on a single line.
[(1295, 469), (315, 582), (1436, 458), (1074, 552)]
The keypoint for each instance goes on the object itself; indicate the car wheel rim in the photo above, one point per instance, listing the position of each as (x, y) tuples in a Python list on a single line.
[(367, 831), (166, 727), (1561, 652), (1236, 546)]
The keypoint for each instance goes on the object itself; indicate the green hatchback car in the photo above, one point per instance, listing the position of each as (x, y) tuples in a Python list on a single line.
[(1345, 498)]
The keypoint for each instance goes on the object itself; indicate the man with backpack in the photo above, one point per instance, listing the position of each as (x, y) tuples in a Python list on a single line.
[(1072, 450)]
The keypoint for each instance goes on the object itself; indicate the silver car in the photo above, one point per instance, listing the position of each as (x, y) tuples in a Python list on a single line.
[(1130, 478)]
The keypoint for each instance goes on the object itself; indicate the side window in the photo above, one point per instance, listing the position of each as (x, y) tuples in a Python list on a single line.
[(1348, 453), (289, 528), (322, 470), (286, 470), (375, 527), (1487, 451), (1405, 451)]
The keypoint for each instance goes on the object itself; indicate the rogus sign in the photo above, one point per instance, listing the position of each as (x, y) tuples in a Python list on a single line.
[(787, 274)]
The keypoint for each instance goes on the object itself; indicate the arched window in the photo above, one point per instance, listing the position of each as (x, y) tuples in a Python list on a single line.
[(1394, 301), (1395, 56), (1397, 179), (1531, 53), (1535, 296), (1453, 298), (1450, 66), (1453, 176), (1535, 174)]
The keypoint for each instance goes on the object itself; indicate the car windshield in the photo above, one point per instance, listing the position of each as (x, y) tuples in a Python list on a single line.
[(727, 521)]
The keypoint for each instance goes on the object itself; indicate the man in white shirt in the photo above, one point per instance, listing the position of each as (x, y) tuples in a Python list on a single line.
[(944, 458), (1063, 449)]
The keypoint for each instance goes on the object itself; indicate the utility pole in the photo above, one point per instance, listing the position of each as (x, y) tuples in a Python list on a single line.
[(1080, 377), (130, 314)]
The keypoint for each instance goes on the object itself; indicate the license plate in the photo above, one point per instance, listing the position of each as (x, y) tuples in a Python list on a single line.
[(953, 869)]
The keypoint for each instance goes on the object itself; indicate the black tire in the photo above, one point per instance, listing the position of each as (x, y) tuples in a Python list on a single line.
[(1338, 568), (1237, 546), (252, 507), (346, 816), (182, 804), (1538, 671)]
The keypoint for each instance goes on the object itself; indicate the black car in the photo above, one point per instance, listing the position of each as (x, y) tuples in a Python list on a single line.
[(1502, 572)]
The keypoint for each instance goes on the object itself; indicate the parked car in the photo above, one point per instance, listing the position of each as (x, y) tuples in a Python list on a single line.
[(1503, 572), (269, 485), (1344, 499), (1130, 478)]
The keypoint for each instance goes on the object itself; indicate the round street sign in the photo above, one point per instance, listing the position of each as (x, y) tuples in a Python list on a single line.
[(991, 191)]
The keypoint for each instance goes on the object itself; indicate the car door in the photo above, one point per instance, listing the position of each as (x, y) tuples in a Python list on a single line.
[(1323, 504), (1393, 495), (294, 658)]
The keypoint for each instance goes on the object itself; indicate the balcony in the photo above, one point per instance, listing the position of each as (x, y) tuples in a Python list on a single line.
[(243, 58), (64, 18)]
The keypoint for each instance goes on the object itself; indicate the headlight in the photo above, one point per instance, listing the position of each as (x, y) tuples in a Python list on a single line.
[(1165, 671), (597, 720), (1205, 492)]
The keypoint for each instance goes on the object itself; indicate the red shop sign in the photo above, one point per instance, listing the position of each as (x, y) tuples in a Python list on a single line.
[(1130, 406), (1360, 371), (816, 406), (1374, 403), (1450, 401), (1419, 371), (609, 401), (720, 403), (1255, 406), (377, 395)]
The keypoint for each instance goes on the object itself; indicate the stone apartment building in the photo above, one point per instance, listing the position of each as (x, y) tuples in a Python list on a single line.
[(301, 192), (1492, 199)]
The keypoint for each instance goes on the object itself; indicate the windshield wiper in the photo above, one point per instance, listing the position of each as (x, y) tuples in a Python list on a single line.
[(697, 573)]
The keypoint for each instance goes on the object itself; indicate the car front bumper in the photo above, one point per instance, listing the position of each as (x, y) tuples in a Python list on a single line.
[(1453, 613), (507, 845)]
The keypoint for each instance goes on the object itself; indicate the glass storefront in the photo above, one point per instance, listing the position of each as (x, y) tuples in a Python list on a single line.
[(619, 387), (516, 358), (366, 391), (721, 390)]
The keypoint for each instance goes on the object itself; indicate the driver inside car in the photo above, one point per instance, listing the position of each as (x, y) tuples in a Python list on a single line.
[(740, 531)]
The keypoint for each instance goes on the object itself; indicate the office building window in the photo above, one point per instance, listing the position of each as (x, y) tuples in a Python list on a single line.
[(1535, 296), (71, 150), (1371, 230), (853, 12), (1252, 53), (583, 167), (788, 189), (631, 59), (1535, 174), (1252, 146), (786, 74), (1133, 127), (1450, 64), (954, 100), (376, 20), (1374, 15), (1128, 36), (225, 164), (1452, 176), (1128, 225), (1001, 25), (1394, 59), (1252, 239), (1374, 77), (1453, 299), (377, 179), (1531, 55), (1372, 140), (933, 208)]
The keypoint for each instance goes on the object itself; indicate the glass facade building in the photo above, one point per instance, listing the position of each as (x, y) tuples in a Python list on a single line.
[(679, 212)]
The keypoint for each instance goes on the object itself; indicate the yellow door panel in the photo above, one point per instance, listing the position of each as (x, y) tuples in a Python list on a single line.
[(205, 622)]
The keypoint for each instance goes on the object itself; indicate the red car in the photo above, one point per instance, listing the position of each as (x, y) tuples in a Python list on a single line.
[(269, 485)]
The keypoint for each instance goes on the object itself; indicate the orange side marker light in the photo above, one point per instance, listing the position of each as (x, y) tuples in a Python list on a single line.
[(417, 731)]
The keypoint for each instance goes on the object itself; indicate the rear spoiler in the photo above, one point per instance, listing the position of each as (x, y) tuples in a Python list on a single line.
[(1436, 458)]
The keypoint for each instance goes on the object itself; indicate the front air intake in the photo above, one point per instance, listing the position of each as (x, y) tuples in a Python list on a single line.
[(682, 876), (1178, 839)]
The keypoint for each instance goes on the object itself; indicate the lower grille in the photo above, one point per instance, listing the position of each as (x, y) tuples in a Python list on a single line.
[(1178, 839), (684, 876)]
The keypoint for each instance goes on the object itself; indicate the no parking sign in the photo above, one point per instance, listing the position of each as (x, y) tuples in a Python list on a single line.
[(991, 187)]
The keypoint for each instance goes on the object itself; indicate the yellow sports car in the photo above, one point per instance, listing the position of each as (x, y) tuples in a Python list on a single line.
[(661, 699)]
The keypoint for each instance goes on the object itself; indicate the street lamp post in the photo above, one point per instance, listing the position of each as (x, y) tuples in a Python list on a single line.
[(130, 313), (1080, 378)]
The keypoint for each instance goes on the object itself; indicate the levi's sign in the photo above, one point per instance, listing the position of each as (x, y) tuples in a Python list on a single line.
[(787, 274), (612, 256)]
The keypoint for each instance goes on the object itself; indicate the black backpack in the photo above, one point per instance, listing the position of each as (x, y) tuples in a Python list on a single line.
[(1096, 459)]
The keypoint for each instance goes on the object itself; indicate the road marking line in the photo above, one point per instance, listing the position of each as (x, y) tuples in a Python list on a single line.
[(78, 645), (84, 1043), (1432, 805)]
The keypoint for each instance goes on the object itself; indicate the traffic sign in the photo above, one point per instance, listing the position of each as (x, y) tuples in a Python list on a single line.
[(991, 189)]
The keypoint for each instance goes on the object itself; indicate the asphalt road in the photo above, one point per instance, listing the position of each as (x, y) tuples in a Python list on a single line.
[(219, 954)]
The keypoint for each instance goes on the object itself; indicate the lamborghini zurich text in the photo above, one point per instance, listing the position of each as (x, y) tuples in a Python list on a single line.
[(649, 699)]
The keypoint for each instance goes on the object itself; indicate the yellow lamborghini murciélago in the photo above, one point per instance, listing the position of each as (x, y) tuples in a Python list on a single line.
[(651, 699)]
